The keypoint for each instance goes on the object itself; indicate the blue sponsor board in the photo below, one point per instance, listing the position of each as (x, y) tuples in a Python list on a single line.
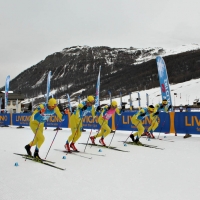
[(21, 119), (187, 122), (24, 119), (90, 123), (123, 122), (4, 119), (179, 122)]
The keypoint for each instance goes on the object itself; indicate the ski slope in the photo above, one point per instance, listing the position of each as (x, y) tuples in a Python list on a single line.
[(187, 93), (142, 174)]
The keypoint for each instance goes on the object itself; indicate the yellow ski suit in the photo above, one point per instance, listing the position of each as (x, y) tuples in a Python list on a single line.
[(105, 129), (154, 118), (37, 121), (76, 121), (137, 121)]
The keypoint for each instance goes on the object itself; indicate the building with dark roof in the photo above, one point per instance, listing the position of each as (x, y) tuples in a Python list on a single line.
[(14, 101)]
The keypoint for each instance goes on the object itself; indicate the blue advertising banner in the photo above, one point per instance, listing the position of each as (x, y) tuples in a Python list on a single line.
[(48, 86), (21, 119), (4, 119), (163, 78), (123, 122), (187, 122), (6, 91), (97, 89), (173, 122)]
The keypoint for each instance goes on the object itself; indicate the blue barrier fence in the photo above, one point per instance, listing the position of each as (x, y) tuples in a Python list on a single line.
[(179, 122)]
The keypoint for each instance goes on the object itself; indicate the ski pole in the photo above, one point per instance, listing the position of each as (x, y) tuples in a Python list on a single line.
[(88, 140), (53, 139), (114, 132), (162, 127), (131, 133)]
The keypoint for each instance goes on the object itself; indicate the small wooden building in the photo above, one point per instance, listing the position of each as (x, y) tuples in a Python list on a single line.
[(13, 98)]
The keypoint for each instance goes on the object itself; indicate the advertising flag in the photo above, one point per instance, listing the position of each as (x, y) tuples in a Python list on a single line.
[(69, 104), (131, 105), (0, 104), (163, 78), (120, 99), (48, 86), (139, 100), (6, 91), (97, 89), (147, 99)]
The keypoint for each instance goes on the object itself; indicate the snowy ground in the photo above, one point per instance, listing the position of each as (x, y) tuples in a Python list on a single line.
[(142, 173)]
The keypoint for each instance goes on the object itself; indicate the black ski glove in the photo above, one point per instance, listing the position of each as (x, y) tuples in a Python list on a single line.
[(123, 108), (142, 114), (98, 108), (170, 106), (84, 108), (108, 107), (156, 113)]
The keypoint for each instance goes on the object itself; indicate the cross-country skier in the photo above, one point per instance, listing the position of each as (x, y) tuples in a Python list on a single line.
[(154, 117), (105, 115), (41, 114), (76, 121), (137, 121)]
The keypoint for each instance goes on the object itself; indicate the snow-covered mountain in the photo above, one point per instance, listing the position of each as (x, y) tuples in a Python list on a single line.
[(122, 70)]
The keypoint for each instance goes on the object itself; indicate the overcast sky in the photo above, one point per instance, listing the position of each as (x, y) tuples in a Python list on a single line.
[(30, 30)]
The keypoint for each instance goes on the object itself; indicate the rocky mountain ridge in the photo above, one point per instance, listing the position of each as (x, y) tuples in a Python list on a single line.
[(122, 70)]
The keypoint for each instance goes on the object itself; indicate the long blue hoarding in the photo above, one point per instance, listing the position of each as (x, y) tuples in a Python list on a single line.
[(173, 122)]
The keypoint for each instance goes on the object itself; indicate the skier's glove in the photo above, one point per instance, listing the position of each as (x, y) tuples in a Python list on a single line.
[(123, 108), (142, 114), (98, 108), (84, 108), (156, 113), (170, 106)]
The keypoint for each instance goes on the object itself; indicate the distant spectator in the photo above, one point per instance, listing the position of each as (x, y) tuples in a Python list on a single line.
[(187, 109), (181, 109)]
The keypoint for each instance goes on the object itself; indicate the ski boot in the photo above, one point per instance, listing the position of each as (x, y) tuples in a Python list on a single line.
[(152, 136), (146, 134), (28, 150), (36, 156), (132, 137), (72, 146), (67, 147), (101, 141), (137, 142), (92, 138), (187, 136)]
